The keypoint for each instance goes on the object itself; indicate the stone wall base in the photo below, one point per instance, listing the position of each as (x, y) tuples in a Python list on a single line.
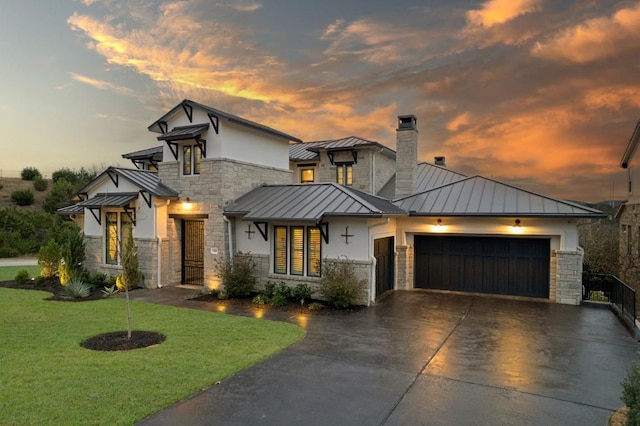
[(568, 277)]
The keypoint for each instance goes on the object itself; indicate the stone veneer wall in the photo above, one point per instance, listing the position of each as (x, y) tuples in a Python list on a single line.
[(406, 161), (384, 170), (404, 267), (363, 170), (220, 182), (569, 277)]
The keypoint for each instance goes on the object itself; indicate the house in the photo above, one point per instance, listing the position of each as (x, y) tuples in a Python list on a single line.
[(628, 215), (225, 184)]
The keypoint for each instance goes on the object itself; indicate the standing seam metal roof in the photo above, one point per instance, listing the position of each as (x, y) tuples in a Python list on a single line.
[(310, 150), (479, 196), (146, 180)]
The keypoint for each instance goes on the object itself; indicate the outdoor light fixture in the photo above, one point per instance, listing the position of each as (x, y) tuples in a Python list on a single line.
[(187, 203), (439, 222), (517, 223)]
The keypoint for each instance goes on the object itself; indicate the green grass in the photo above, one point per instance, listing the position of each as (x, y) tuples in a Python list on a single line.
[(8, 273), (47, 378)]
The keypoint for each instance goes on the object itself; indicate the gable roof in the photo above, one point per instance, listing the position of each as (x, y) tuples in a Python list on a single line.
[(428, 176), (310, 150), (479, 196), (311, 202), (631, 147), (145, 180), (188, 104)]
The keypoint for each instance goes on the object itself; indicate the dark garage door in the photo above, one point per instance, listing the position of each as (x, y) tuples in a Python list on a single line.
[(512, 266)]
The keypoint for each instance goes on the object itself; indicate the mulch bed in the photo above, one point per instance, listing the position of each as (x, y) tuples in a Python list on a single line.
[(291, 306)]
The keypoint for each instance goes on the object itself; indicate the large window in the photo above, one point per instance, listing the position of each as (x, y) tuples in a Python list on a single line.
[(344, 173), (191, 159), (297, 251), (118, 227)]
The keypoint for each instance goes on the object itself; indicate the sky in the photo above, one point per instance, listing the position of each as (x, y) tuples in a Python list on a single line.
[(542, 94)]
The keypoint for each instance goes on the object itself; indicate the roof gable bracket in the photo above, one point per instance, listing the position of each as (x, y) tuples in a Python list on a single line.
[(83, 195), (146, 196), (173, 146), (188, 109), (164, 127), (96, 216), (330, 155), (114, 177), (324, 231), (202, 144), (215, 121), (131, 212), (354, 153), (262, 227), (139, 164)]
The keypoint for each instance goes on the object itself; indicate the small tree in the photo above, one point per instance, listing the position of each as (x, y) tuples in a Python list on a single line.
[(30, 173), (72, 253), (130, 272), (237, 274), (49, 259)]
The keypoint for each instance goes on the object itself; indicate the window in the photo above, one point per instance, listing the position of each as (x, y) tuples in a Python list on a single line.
[(297, 252), (191, 159), (344, 173), (117, 227), (307, 176)]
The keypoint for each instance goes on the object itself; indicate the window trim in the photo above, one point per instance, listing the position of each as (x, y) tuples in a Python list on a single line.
[(313, 175), (119, 235), (346, 170), (309, 253), (195, 158), (277, 249), (288, 245), (293, 251)]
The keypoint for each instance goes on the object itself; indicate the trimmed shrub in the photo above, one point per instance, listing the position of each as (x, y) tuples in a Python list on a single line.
[(278, 299), (237, 274), (49, 259), (22, 197), (40, 184), (301, 293), (97, 280), (339, 284), (22, 276), (77, 289), (30, 173)]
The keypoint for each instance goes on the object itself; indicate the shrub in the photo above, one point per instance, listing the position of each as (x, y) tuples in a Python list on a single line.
[(40, 184), (39, 281), (302, 292), (1, 185), (49, 259), (259, 300), (61, 195), (72, 253), (269, 289), (97, 280), (22, 197), (315, 306), (237, 274), (109, 291), (30, 173), (278, 299), (9, 252), (339, 284), (22, 276), (631, 394), (77, 289)]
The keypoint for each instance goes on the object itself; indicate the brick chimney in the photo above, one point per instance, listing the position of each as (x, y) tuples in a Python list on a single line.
[(406, 155)]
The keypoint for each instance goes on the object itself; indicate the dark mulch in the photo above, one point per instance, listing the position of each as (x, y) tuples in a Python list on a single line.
[(53, 286), (292, 306), (118, 341)]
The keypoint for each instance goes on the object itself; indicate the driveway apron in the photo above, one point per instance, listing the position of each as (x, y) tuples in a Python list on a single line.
[(421, 357)]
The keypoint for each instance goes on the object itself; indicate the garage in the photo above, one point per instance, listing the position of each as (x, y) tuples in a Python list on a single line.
[(495, 265)]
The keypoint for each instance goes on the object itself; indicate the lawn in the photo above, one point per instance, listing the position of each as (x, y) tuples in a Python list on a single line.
[(8, 273), (47, 378)]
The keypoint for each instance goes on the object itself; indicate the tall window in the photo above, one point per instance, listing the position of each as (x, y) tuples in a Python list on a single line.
[(191, 159), (280, 250), (116, 229), (297, 251), (344, 173)]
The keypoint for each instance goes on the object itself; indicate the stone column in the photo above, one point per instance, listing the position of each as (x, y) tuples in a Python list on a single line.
[(569, 277)]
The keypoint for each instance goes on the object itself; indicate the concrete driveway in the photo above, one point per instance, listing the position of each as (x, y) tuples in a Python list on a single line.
[(430, 358)]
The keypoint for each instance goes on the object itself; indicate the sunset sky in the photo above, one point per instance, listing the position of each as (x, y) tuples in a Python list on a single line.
[(543, 94)]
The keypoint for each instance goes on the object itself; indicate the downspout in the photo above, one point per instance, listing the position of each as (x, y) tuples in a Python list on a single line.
[(228, 222), (374, 262), (159, 237)]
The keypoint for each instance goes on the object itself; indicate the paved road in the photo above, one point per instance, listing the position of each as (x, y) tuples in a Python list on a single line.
[(18, 261), (428, 358)]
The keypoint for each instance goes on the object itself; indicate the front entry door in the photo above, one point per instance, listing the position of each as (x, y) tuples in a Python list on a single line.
[(383, 252), (193, 252)]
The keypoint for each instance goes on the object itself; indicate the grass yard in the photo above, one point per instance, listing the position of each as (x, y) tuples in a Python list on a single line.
[(47, 378), (8, 273)]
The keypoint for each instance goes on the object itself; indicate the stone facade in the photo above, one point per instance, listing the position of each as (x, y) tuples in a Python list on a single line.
[(404, 267), (406, 156), (370, 173), (220, 182), (568, 277)]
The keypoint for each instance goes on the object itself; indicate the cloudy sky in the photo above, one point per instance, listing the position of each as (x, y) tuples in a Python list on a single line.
[(543, 94)]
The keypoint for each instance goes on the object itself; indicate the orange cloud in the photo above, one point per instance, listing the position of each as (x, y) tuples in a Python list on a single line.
[(495, 12), (102, 85), (594, 39)]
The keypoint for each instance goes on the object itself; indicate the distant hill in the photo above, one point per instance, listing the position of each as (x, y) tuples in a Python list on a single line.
[(15, 184)]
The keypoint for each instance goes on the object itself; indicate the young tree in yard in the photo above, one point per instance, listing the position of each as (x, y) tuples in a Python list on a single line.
[(130, 272), (600, 241)]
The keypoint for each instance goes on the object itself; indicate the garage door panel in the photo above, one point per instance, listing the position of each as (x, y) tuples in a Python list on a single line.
[(497, 265)]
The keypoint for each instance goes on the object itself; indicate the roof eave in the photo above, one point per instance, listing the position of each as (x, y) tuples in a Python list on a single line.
[(631, 147)]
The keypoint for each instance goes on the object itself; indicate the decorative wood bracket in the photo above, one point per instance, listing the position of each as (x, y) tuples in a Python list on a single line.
[(324, 231), (262, 227), (114, 177), (215, 121), (354, 154), (146, 196), (164, 127), (202, 144), (174, 149), (330, 155), (83, 195), (188, 109), (98, 216), (131, 212)]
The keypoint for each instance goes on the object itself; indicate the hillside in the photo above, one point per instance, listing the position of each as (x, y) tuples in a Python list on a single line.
[(15, 184)]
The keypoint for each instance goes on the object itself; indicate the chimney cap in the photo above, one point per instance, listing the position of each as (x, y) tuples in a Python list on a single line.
[(439, 160), (407, 122)]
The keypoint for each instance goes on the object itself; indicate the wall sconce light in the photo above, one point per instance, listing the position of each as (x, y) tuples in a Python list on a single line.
[(187, 203), (517, 223), (439, 222)]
